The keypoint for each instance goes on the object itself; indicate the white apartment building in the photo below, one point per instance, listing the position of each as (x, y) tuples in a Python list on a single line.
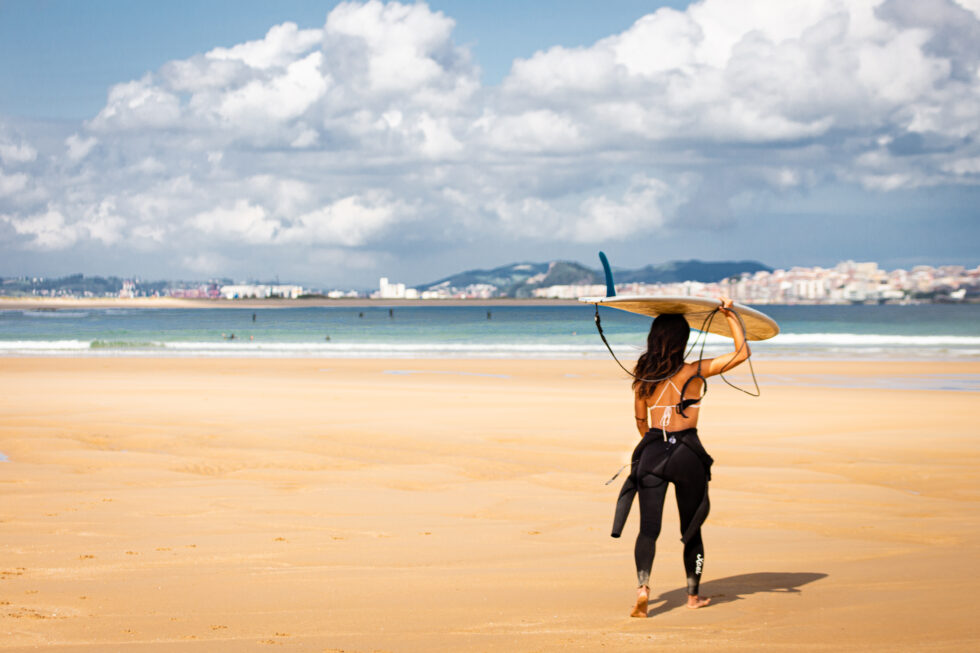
[(388, 290), (260, 291)]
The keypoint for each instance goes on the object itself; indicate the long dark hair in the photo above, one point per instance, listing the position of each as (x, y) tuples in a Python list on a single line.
[(664, 356)]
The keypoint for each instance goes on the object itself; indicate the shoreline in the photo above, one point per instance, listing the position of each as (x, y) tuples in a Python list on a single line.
[(96, 353), (46, 303), (54, 303)]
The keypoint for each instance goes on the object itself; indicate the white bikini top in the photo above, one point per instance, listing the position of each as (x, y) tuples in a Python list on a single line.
[(669, 410)]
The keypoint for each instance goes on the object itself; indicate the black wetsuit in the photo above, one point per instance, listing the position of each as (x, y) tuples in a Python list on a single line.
[(660, 458)]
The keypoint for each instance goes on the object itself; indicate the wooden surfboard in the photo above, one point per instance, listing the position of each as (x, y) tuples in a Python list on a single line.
[(758, 325)]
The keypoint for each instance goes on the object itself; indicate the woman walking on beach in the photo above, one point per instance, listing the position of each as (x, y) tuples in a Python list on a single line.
[(667, 395)]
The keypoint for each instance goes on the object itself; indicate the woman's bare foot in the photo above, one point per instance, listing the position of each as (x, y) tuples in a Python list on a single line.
[(642, 596), (694, 601)]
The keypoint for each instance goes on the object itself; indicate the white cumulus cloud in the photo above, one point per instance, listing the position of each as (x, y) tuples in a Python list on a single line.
[(280, 47), (281, 98), (10, 184), (241, 221), (79, 147), (13, 153), (349, 221), (45, 231)]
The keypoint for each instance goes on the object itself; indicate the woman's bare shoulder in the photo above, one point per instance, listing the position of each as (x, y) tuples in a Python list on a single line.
[(689, 369)]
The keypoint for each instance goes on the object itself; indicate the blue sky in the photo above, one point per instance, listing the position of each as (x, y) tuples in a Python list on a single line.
[(334, 144), (58, 58)]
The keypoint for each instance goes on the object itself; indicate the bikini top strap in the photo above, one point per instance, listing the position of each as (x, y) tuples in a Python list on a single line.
[(656, 402), (684, 404)]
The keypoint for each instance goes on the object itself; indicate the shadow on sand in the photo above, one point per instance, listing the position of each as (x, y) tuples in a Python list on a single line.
[(735, 588)]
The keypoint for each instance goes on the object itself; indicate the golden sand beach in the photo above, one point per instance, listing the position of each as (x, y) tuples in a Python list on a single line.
[(162, 504)]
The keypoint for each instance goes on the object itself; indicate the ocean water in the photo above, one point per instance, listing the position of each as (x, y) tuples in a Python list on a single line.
[(918, 332)]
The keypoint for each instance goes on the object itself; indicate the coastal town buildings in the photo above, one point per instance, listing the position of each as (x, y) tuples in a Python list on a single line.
[(260, 291), (847, 282), (201, 291)]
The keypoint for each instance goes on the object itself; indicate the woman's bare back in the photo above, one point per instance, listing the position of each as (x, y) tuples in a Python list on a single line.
[(660, 408)]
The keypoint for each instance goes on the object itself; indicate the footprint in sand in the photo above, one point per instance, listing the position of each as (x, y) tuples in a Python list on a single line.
[(28, 613)]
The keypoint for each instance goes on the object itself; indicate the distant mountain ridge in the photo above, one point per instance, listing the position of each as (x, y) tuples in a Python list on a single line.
[(521, 279), (692, 270)]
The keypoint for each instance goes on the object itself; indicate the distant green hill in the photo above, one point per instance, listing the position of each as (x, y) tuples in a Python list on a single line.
[(78, 285), (75, 284), (693, 270), (520, 279)]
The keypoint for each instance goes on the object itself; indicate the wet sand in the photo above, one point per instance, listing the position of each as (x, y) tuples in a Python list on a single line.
[(159, 504)]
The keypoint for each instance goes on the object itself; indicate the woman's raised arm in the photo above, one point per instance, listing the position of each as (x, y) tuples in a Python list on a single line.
[(725, 362)]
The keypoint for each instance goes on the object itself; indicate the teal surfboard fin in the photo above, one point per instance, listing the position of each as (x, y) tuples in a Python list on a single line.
[(610, 286)]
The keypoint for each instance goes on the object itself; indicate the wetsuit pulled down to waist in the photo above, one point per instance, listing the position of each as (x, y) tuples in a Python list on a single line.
[(663, 457), (660, 458)]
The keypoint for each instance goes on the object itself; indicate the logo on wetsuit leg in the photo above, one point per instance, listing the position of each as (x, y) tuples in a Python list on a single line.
[(697, 564)]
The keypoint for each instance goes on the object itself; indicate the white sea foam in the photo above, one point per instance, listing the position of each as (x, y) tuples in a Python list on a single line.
[(847, 345), (385, 349), (873, 340), (55, 313), (247, 348), (43, 345)]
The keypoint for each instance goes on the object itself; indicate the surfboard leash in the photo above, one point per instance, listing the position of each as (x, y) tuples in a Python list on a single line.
[(598, 326), (707, 325), (703, 337)]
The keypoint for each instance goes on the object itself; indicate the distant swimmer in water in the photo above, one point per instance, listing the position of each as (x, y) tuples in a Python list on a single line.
[(667, 396)]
